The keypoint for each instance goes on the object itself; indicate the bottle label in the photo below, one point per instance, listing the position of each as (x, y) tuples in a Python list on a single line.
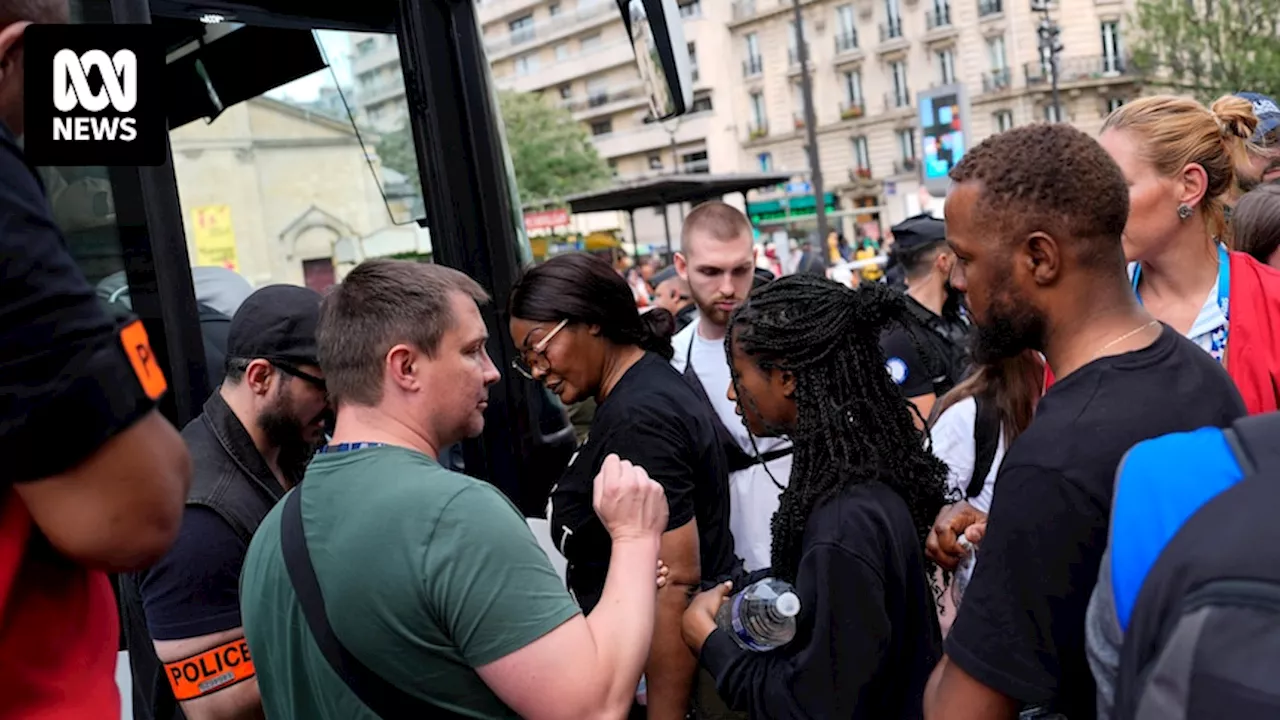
[(740, 628)]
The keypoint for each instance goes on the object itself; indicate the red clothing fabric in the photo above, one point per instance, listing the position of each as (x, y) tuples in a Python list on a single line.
[(1253, 334), (58, 628)]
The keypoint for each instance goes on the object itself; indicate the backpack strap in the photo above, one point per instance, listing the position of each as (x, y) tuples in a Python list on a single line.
[(1253, 440), (386, 700), (986, 440)]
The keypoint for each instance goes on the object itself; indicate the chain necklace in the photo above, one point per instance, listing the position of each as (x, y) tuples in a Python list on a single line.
[(1124, 337)]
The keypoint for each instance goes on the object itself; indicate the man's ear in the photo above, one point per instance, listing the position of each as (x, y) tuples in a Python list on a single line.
[(682, 265), (400, 361), (1043, 257), (257, 375), (10, 39)]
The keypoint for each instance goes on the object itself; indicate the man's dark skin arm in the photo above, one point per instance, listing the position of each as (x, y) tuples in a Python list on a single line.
[(953, 694)]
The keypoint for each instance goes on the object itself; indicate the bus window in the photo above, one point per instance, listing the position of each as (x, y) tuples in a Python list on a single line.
[(303, 181)]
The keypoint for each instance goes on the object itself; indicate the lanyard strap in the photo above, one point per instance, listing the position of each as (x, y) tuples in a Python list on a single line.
[(348, 447)]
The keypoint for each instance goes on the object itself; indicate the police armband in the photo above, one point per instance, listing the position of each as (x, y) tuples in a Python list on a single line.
[(210, 671)]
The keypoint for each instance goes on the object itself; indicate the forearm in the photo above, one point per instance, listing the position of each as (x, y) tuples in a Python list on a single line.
[(669, 673), (622, 622)]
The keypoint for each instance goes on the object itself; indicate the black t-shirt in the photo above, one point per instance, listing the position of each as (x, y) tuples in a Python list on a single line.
[(867, 636), (66, 384), (653, 419), (1020, 629)]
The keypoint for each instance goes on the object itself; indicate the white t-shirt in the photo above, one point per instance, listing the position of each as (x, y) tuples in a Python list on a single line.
[(753, 494), (952, 437)]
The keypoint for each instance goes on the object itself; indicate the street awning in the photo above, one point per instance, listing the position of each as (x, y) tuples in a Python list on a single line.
[(668, 189)]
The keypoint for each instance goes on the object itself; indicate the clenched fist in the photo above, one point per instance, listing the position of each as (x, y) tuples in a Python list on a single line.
[(630, 504)]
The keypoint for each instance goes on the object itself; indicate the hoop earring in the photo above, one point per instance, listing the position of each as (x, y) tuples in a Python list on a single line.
[(1185, 212)]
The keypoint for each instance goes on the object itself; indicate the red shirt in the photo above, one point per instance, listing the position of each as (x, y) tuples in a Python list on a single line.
[(59, 632)]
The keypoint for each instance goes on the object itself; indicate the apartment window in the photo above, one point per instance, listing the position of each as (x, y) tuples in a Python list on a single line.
[(893, 13), (527, 64), (1004, 120), (693, 62), (602, 127), (521, 29), (793, 42), (1113, 104), (765, 161), (701, 103), (597, 91), (695, 162), (613, 167), (758, 115), (691, 9), (941, 15), (566, 92), (364, 47), (655, 162), (590, 42), (846, 29), (1111, 46), (995, 53), (853, 88), (754, 63), (1052, 113), (562, 52), (553, 9), (901, 93), (947, 66), (861, 153), (907, 144)]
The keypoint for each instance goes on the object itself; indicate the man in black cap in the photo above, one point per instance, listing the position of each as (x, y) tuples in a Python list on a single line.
[(927, 359), (250, 445)]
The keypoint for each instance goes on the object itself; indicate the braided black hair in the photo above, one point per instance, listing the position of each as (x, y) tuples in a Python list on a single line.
[(853, 423)]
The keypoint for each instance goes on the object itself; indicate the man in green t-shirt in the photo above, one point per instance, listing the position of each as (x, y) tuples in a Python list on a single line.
[(431, 579)]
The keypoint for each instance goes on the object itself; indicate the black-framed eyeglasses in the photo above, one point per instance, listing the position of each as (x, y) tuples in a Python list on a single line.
[(539, 361), (316, 382)]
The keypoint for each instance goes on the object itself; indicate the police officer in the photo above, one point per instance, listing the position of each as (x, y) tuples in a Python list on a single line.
[(929, 358)]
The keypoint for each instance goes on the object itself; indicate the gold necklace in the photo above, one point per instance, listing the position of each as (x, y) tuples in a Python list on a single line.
[(1123, 337)]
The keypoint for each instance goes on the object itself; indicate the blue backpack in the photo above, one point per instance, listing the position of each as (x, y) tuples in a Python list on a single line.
[(1195, 570)]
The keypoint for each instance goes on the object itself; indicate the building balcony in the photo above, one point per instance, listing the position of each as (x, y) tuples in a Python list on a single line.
[(861, 175), (905, 166), (897, 100), (891, 30), (937, 18), (798, 120), (562, 25), (852, 110), (847, 42), (743, 9), (758, 129), (606, 103), (793, 55), (990, 8), (753, 66), (997, 80), (582, 64), (1080, 70), (374, 93), (649, 137)]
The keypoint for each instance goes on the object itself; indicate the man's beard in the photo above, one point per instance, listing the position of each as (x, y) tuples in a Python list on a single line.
[(714, 315), (285, 430), (1011, 326)]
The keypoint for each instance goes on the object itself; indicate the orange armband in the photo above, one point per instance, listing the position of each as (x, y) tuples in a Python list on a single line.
[(210, 671)]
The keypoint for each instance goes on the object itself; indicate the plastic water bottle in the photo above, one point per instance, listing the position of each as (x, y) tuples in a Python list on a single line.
[(762, 617), (642, 692), (964, 572)]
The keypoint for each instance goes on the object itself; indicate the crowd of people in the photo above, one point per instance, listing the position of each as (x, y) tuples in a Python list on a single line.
[(1077, 380)]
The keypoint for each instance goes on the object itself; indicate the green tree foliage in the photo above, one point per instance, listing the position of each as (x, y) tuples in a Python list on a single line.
[(1208, 48), (396, 151), (551, 152)]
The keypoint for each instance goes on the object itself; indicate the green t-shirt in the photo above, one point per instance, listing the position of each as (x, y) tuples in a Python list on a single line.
[(426, 574)]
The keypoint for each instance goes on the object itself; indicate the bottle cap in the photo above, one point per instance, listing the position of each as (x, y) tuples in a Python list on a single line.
[(787, 604)]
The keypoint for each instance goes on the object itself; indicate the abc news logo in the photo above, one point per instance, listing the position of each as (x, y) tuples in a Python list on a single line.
[(94, 95)]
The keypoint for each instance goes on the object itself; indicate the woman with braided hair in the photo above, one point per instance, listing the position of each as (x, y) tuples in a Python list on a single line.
[(851, 525)]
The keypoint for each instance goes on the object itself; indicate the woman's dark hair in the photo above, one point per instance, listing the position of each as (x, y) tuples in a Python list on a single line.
[(853, 423), (1014, 384), (1256, 222), (586, 290)]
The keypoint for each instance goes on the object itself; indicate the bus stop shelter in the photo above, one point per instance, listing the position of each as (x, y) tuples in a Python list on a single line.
[(666, 189)]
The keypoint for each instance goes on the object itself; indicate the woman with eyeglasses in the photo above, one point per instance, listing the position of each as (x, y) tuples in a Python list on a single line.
[(576, 326)]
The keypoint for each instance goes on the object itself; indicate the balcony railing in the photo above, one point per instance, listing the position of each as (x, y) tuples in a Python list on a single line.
[(1078, 69), (852, 110), (938, 17), (891, 30), (563, 22), (996, 80), (905, 166), (600, 99), (860, 174), (793, 54), (743, 9), (752, 66), (987, 8), (523, 35), (798, 119), (847, 41), (894, 100), (757, 130)]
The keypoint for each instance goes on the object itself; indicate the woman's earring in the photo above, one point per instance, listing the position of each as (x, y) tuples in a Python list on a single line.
[(1185, 212)]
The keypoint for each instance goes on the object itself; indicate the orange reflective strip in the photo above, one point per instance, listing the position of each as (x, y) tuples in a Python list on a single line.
[(136, 345), (211, 670)]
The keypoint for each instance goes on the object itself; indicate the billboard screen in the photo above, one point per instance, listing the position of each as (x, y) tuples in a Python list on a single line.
[(944, 116)]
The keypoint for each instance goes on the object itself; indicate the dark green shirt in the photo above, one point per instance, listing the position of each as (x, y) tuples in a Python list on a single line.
[(426, 574)]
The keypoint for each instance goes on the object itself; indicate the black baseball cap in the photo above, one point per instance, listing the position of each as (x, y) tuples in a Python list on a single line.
[(277, 322), (918, 231)]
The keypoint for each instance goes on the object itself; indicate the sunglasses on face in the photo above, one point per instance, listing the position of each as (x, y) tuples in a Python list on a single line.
[(527, 366), (312, 380)]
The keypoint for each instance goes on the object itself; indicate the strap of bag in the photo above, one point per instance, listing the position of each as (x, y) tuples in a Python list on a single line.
[(385, 699), (1253, 440), (986, 440)]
